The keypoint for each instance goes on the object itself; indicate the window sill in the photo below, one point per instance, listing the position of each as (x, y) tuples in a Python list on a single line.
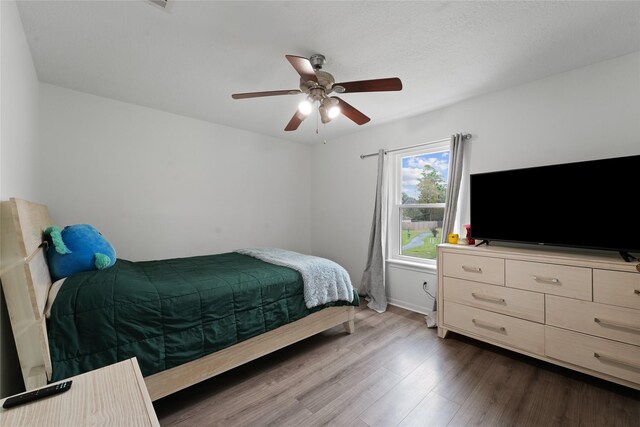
[(413, 265)]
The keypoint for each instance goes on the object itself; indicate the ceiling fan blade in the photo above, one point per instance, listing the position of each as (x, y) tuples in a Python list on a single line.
[(378, 85), (295, 121), (303, 67), (269, 93), (351, 112)]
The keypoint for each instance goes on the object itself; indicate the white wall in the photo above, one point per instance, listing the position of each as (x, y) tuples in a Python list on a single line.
[(405, 287), (588, 113), (19, 106), (18, 145), (159, 185)]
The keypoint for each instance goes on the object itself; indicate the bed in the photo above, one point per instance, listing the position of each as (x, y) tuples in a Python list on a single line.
[(26, 283)]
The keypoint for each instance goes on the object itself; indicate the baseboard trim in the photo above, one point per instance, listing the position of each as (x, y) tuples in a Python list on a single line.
[(408, 306)]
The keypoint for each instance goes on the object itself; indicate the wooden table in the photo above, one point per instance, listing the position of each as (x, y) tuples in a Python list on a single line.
[(111, 396)]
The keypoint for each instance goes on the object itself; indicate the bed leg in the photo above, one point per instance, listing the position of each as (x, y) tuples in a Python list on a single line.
[(350, 326)]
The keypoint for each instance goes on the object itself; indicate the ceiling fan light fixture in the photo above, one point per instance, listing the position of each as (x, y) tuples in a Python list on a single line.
[(305, 107), (333, 110), (330, 106), (324, 115)]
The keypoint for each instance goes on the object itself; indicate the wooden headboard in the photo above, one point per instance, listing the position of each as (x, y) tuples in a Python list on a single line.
[(26, 282)]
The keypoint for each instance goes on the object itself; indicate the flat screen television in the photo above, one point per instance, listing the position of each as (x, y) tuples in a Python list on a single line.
[(592, 204)]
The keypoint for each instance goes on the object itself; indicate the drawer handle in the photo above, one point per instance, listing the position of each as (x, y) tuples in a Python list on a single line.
[(546, 279), (472, 269), (488, 298), (616, 324), (606, 358), (482, 324), (636, 291)]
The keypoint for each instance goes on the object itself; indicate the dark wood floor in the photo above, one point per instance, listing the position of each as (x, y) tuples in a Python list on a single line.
[(395, 371)]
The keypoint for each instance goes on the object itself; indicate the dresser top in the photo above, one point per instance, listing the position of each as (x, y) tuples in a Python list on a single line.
[(578, 257)]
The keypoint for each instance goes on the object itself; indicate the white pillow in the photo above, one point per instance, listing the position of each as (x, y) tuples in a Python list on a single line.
[(53, 293)]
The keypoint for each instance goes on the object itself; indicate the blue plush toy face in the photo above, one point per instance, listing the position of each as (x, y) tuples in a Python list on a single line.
[(77, 248)]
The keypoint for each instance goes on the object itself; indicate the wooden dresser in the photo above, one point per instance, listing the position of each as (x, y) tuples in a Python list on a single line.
[(577, 310)]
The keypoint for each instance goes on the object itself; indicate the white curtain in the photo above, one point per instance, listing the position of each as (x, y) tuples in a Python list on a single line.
[(456, 155), (373, 278)]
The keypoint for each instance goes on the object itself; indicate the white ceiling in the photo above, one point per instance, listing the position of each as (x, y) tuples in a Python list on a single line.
[(190, 59)]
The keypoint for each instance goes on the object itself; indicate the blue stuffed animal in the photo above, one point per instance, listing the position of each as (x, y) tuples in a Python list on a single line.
[(77, 248)]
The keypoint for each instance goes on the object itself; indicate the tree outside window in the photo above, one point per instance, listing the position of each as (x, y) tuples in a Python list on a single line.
[(423, 188)]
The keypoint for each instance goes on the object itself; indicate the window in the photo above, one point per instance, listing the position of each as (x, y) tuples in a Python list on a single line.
[(418, 188)]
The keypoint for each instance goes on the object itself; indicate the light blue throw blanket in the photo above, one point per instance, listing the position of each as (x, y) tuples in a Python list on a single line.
[(324, 280)]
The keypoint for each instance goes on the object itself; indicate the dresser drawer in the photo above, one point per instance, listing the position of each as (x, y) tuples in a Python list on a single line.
[(477, 268), (563, 280), (513, 302), (606, 321), (617, 288), (606, 356), (518, 333)]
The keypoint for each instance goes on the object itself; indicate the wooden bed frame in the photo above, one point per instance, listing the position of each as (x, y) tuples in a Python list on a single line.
[(26, 282)]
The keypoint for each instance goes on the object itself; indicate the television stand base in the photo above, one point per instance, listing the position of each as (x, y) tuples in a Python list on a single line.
[(482, 242), (627, 256)]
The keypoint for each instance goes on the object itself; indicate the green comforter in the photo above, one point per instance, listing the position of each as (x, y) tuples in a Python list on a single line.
[(169, 312)]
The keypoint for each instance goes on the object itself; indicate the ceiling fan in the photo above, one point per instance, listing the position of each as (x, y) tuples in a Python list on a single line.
[(318, 85)]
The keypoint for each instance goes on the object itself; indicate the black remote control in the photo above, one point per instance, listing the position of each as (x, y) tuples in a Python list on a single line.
[(30, 396)]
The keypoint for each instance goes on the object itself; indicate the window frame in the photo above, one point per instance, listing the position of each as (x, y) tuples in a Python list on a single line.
[(394, 203)]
